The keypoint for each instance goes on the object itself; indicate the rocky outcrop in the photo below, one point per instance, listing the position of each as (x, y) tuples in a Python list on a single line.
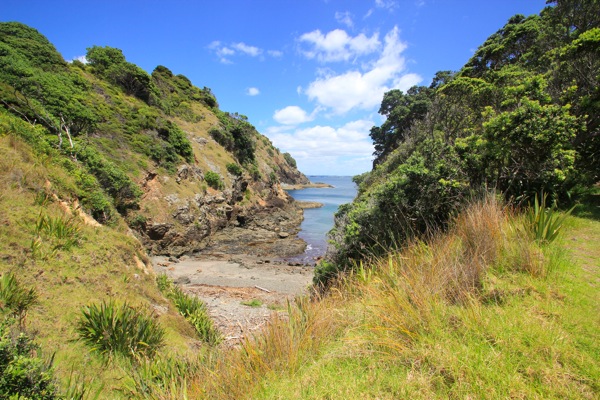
[(250, 217)]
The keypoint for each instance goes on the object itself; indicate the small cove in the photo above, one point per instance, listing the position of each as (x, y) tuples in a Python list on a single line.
[(318, 221)]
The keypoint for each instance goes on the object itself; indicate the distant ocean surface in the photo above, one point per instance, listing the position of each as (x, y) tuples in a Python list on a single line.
[(318, 221)]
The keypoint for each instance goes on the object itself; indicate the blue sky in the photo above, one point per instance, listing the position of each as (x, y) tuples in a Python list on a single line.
[(309, 74)]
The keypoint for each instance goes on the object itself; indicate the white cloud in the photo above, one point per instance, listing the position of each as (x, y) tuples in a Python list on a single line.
[(80, 59), (338, 151), (364, 90), (252, 91), (337, 45), (227, 52), (246, 49), (386, 4), (344, 18), (292, 115)]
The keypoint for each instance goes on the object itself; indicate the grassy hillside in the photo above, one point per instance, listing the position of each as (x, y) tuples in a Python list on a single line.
[(74, 263), (93, 157)]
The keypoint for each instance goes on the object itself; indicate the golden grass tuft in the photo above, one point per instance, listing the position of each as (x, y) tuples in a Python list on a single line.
[(284, 345)]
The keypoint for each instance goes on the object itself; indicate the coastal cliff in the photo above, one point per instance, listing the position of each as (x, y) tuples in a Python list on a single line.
[(151, 149)]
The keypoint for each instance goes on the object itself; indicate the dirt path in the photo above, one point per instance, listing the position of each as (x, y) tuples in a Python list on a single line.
[(241, 292)]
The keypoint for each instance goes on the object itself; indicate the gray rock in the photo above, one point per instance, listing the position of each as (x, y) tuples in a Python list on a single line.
[(182, 280), (158, 231)]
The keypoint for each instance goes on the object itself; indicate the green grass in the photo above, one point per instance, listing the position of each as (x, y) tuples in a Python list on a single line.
[(483, 312), (255, 303), (192, 309)]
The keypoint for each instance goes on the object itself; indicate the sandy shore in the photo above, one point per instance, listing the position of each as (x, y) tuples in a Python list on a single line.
[(226, 282)]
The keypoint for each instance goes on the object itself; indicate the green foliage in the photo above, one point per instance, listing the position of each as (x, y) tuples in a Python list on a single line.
[(234, 169), (63, 232), (213, 180), (115, 181), (400, 110), (255, 172), (15, 299), (290, 160), (23, 373), (40, 87), (545, 223), (177, 138), (222, 137), (236, 135), (408, 200), (192, 309), (178, 93), (529, 148), (254, 303), (112, 329), (520, 117), (110, 63)]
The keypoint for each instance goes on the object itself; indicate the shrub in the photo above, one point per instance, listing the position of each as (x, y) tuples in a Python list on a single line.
[(222, 137), (23, 374), (255, 173), (15, 298), (63, 232), (234, 169), (544, 222), (213, 180), (111, 329), (290, 160)]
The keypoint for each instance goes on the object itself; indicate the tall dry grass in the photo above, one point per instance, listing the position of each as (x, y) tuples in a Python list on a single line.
[(283, 346), (406, 288)]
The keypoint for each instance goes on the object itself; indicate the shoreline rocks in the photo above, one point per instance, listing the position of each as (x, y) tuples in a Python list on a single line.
[(309, 204), (311, 185)]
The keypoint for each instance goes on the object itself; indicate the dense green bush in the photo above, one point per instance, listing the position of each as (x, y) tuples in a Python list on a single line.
[(290, 160), (520, 118), (213, 180), (23, 373), (110, 64), (119, 329), (115, 181), (234, 169), (236, 135)]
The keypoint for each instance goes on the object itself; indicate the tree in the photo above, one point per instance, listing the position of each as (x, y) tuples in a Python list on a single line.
[(401, 111), (110, 64), (530, 148)]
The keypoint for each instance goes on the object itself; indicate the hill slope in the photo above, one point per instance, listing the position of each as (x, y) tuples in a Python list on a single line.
[(102, 164)]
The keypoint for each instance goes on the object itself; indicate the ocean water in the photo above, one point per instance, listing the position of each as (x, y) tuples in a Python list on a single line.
[(318, 221)]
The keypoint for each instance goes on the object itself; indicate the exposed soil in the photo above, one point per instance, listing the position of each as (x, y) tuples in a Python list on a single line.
[(226, 282)]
